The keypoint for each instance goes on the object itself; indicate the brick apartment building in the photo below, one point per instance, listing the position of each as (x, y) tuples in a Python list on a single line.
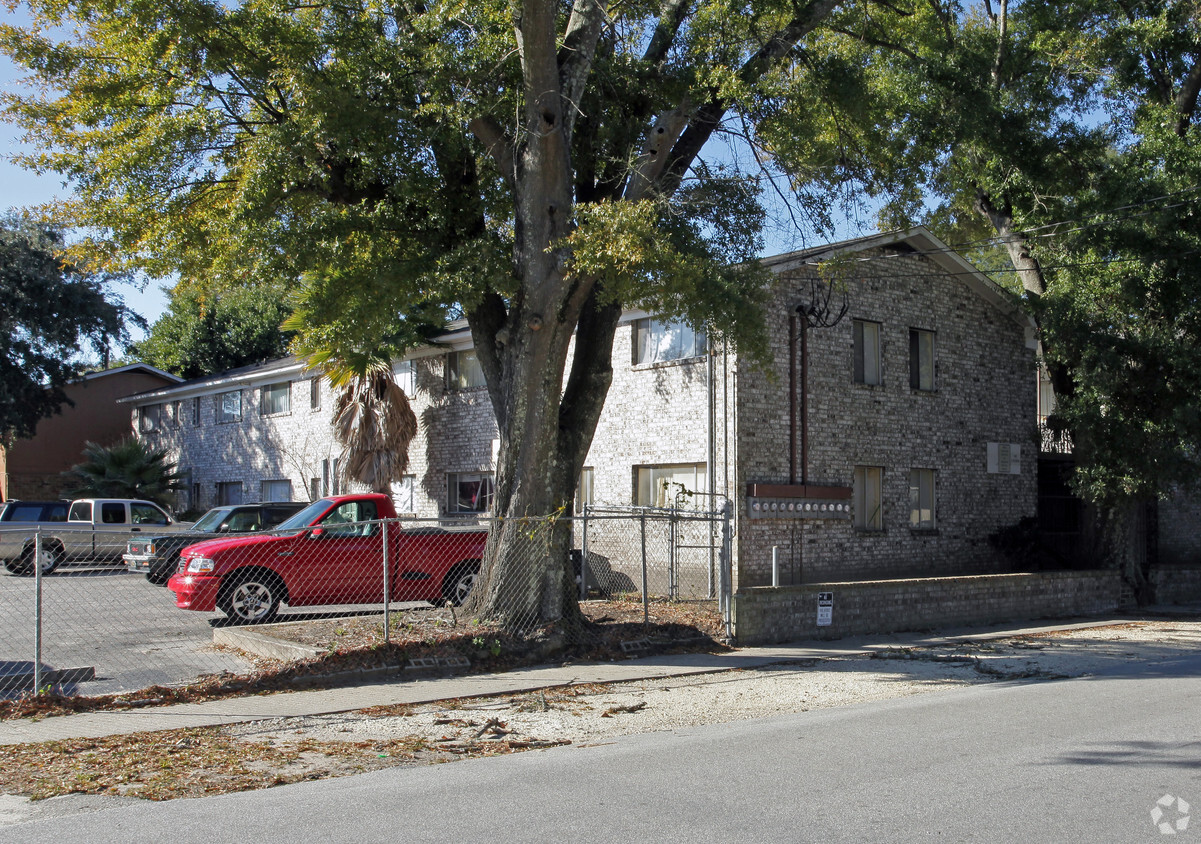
[(890, 443)]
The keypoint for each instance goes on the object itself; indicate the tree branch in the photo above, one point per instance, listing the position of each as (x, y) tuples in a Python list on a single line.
[(709, 116), (490, 133), (1186, 98), (577, 53)]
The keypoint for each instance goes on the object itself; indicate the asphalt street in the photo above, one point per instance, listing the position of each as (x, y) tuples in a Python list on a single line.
[(1085, 760)]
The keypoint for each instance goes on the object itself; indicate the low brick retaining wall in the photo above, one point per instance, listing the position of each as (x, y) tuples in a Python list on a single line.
[(1176, 584), (764, 614)]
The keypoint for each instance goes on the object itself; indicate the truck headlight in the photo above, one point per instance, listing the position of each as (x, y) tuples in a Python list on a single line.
[(148, 549), (199, 565)]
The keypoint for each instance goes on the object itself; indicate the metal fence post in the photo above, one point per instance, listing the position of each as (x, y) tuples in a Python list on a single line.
[(37, 612), (584, 557), (673, 586), (646, 605), (726, 600), (387, 583)]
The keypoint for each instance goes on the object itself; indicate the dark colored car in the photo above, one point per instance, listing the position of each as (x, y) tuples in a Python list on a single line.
[(34, 511), (156, 556)]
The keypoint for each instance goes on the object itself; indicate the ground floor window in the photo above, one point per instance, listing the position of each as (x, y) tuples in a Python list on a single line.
[(402, 495), (921, 498), (277, 491), (229, 492), (680, 486), (868, 497), (469, 493), (584, 489)]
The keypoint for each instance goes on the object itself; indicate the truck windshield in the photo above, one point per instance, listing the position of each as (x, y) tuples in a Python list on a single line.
[(307, 516), (210, 521)]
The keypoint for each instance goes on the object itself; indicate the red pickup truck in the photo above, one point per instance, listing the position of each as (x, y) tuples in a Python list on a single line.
[(331, 552)]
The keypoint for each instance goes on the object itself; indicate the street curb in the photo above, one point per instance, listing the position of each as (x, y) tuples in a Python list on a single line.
[(262, 644)]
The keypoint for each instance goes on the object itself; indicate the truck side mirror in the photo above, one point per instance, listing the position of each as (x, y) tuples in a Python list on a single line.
[(316, 533)]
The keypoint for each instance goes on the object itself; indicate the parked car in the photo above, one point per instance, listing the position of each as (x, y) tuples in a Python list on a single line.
[(33, 511), (331, 552), (95, 529), (156, 556)]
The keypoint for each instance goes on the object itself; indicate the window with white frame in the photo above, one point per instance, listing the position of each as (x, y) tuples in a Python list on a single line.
[(867, 352), (659, 341), (681, 486), (469, 492), (584, 489), (276, 490), (229, 492), (315, 392), (921, 359), (314, 489), (229, 406), (405, 373), (869, 498), (196, 410), (275, 398), (402, 495), (463, 370), (921, 499)]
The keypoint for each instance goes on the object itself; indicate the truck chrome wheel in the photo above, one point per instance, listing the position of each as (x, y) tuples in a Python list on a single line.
[(252, 601)]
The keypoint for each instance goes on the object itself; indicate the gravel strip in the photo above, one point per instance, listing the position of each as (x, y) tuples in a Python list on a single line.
[(591, 713)]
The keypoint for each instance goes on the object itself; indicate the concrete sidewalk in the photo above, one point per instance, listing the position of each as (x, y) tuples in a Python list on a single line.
[(410, 691)]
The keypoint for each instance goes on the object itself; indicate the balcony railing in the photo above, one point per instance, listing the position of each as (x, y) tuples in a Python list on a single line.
[(1054, 442)]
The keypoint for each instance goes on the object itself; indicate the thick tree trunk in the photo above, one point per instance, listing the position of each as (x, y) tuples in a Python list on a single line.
[(527, 579)]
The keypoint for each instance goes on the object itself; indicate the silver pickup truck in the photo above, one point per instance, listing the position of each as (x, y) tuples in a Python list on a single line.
[(95, 529)]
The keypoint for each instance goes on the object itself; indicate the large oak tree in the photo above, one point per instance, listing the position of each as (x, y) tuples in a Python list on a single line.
[(538, 165)]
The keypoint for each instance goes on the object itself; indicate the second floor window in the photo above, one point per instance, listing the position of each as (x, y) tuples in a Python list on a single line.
[(463, 370), (867, 352), (229, 407), (151, 418), (276, 398), (656, 341), (921, 359)]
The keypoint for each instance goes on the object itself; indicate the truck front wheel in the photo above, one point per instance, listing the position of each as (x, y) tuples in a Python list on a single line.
[(252, 599)]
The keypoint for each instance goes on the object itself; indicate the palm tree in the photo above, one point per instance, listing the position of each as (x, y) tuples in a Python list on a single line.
[(128, 469), (373, 422)]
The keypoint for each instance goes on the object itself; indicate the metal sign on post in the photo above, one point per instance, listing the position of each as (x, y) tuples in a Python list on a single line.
[(825, 609)]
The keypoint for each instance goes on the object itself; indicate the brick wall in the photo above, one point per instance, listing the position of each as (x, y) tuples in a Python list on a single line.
[(1177, 584), (255, 448), (1179, 536), (766, 615), (984, 392)]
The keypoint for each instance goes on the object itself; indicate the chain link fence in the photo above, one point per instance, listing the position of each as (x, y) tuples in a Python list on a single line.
[(90, 623)]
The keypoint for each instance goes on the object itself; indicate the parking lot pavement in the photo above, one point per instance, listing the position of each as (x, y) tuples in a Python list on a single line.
[(103, 617)]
